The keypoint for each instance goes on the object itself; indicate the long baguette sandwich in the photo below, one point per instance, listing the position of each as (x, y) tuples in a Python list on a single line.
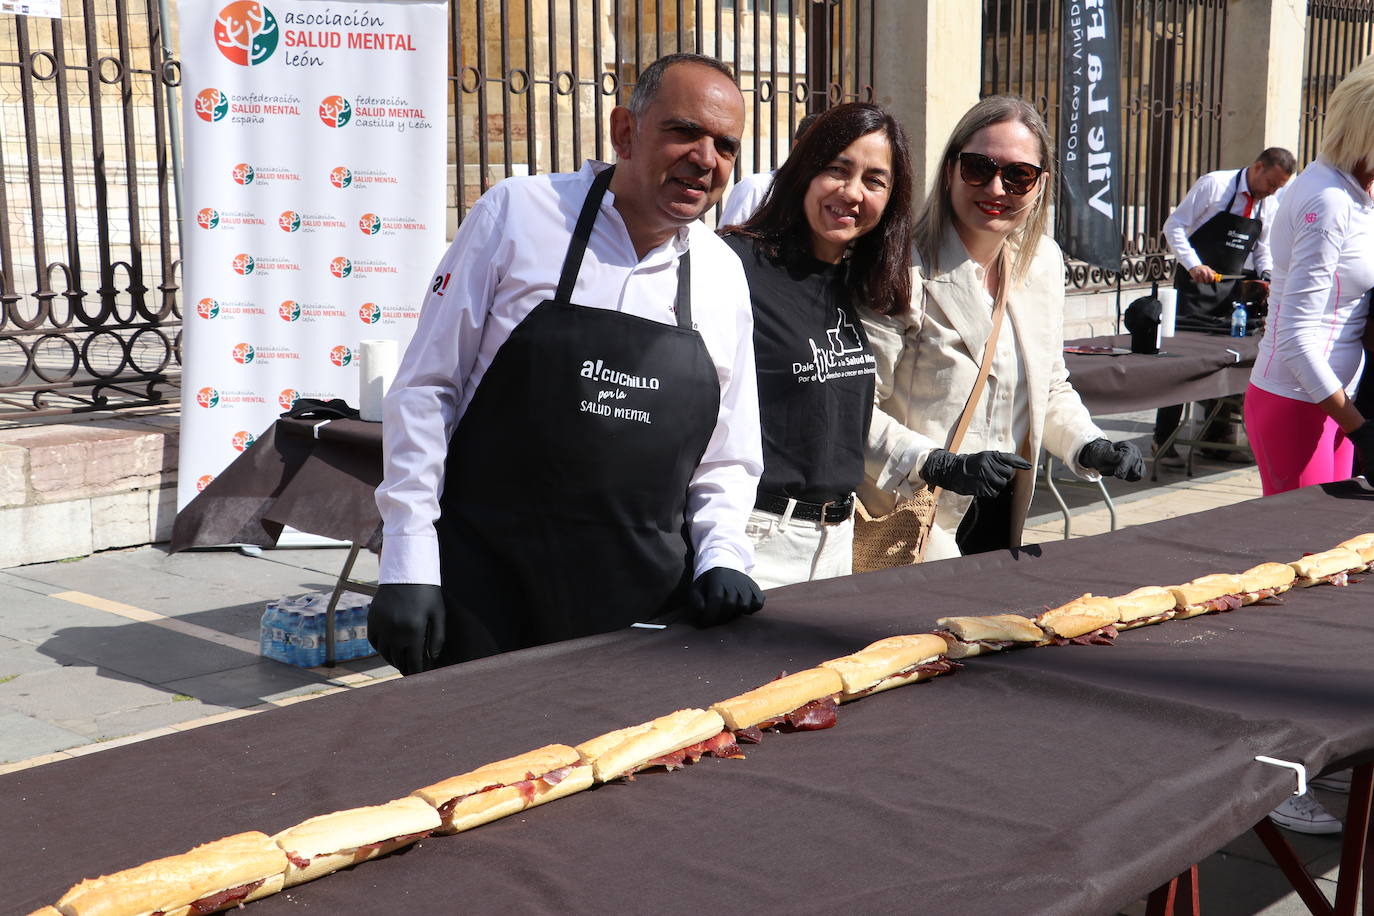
[(328, 842), (969, 636), (507, 787), (1265, 581), (669, 741), (1331, 566), (1363, 544), (1144, 606), (804, 701), (46, 911), (889, 663), (1086, 621), (1206, 594), (207, 879)]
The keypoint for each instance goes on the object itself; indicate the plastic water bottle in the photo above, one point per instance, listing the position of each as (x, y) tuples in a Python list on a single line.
[(312, 640), (291, 632), (268, 627), (1238, 319), (361, 647)]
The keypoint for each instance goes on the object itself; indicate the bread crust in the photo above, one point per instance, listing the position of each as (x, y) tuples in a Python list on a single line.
[(1205, 588), (46, 911), (329, 841), (1000, 627), (1278, 576), (172, 883), (878, 661), (478, 807), (1146, 601), (778, 698), (613, 754), (1311, 570), (1363, 544), (1079, 616)]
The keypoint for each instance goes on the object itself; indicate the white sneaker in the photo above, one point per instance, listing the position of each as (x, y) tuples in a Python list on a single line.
[(1304, 814), (1338, 781)]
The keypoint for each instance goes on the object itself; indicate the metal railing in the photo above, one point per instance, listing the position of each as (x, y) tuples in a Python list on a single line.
[(1172, 66), (1340, 34), (89, 318), (532, 85)]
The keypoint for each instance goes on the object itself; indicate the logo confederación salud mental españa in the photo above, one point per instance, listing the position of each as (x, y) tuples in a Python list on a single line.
[(246, 32), (207, 397), (370, 313), (289, 221), (211, 104), (336, 111), (289, 310)]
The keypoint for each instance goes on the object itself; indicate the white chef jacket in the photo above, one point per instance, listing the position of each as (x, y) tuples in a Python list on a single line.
[(745, 198), (503, 262), (1203, 201), (1319, 297)]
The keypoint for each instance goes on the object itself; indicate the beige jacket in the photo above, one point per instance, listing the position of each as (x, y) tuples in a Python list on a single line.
[(928, 361)]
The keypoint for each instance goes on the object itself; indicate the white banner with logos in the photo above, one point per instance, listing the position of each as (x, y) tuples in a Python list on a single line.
[(314, 195)]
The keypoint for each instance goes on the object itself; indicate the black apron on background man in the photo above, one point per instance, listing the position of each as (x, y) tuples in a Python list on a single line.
[(565, 485), (1223, 243)]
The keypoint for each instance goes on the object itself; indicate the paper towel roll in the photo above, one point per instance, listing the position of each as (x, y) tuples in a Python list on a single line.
[(1168, 299), (377, 369)]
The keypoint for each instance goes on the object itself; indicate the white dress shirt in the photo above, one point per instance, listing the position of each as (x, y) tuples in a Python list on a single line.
[(1319, 297), (503, 262), (745, 198), (1205, 200)]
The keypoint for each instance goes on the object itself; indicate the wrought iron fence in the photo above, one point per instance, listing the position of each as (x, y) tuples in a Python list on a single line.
[(89, 318), (532, 85), (1340, 34), (1172, 72)]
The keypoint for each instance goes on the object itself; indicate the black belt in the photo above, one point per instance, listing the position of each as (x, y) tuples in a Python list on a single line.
[(831, 513)]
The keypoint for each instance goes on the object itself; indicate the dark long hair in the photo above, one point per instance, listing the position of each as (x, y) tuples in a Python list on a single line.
[(880, 262)]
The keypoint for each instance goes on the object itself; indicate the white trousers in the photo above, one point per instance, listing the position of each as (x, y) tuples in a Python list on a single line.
[(798, 551)]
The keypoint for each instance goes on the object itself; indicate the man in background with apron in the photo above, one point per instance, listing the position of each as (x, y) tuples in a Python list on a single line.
[(572, 442), (1219, 234)]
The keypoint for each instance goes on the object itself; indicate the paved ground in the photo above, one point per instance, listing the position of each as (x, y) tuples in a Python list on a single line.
[(130, 644)]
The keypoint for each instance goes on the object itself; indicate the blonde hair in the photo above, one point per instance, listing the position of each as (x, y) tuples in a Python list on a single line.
[(936, 216), (1348, 135)]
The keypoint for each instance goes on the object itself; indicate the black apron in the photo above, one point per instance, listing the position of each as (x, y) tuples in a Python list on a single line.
[(565, 485), (1223, 243)]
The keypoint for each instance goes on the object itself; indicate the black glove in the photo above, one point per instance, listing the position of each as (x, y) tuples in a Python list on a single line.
[(978, 474), (1120, 459), (405, 624), (719, 595), (1363, 440)]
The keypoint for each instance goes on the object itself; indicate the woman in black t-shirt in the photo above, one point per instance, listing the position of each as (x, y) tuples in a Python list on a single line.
[(834, 231)]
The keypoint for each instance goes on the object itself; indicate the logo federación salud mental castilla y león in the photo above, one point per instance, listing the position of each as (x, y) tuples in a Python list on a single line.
[(211, 104), (335, 111), (246, 32)]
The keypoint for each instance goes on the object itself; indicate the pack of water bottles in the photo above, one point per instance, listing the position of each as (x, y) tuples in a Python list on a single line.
[(293, 629)]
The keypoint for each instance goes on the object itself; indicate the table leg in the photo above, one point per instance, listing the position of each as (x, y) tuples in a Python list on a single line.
[(1054, 491), (339, 587), (1291, 866), (1355, 843), (1177, 898)]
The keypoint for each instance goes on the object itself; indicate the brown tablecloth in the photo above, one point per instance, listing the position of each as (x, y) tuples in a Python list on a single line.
[(1054, 780), (315, 476), (1192, 367)]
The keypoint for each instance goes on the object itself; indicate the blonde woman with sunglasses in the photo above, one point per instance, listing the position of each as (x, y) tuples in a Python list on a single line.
[(980, 237)]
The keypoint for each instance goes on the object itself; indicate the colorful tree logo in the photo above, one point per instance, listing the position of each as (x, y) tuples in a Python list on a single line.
[(246, 32), (207, 218), (370, 313), (335, 111), (289, 310), (207, 308), (289, 221), (370, 223), (207, 397), (340, 355), (211, 105), (244, 174), (288, 398), (341, 267), (244, 264), (340, 176), (204, 481), (242, 440), (244, 353)]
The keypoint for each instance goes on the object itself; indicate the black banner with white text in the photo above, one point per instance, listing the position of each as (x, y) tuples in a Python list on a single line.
[(1090, 134)]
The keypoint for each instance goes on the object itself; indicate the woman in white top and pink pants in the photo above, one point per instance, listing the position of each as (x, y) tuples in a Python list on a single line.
[(1300, 414)]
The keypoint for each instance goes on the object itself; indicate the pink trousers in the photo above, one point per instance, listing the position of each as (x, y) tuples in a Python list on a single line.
[(1295, 443)]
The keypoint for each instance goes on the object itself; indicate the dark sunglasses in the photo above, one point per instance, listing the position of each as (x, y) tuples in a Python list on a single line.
[(1018, 178)]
